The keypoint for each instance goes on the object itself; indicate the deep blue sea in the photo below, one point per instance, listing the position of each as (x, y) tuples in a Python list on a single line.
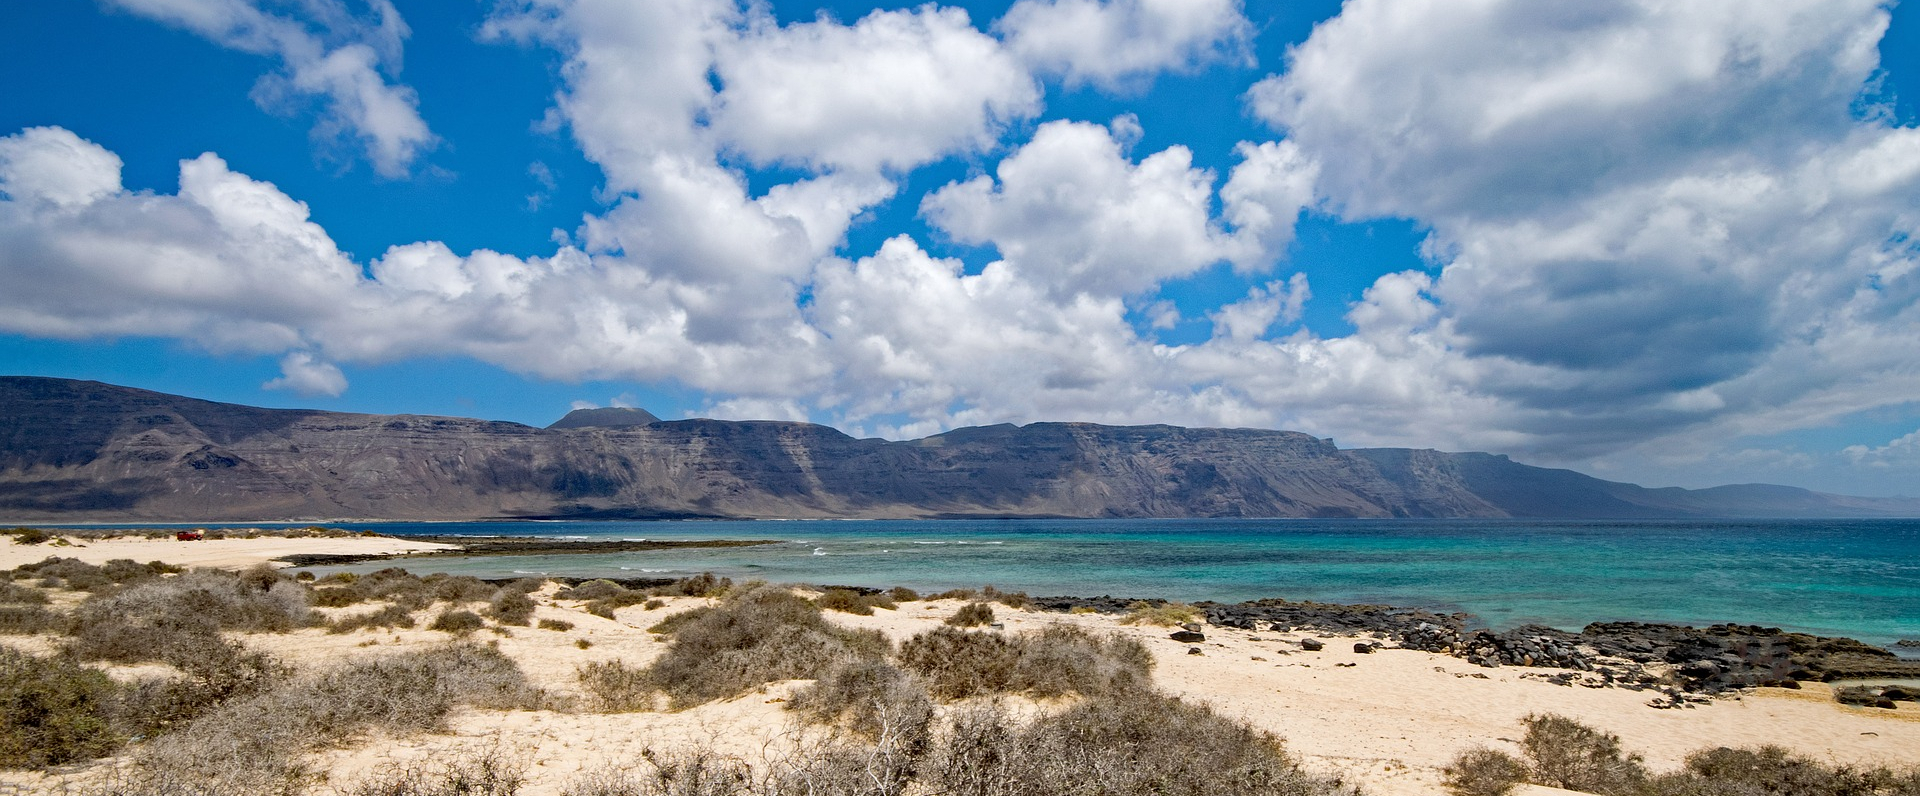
[(1858, 578)]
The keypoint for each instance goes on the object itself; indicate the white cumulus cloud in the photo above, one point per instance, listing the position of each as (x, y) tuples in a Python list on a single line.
[(1117, 43), (325, 51)]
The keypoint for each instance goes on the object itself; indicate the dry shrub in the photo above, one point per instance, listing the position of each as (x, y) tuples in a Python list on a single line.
[(1056, 661), (511, 607), (26, 620), (15, 594), (146, 620), (1480, 771), (210, 676), (972, 615), (395, 616), (693, 773), (614, 687), (457, 621), (489, 773), (873, 700), (591, 590), (1011, 599), (959, 664), (256, 745), (853, 602), (53, 711), (902, 594), (956, 594), (561, 625), (1132, 743), (1774, 771), (1567, 754), (1063, 659), (1160, 614), (701, 585), (757, 636), (55, 572)]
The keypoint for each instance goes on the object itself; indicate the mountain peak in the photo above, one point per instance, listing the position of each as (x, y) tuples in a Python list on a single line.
[(609, 417)]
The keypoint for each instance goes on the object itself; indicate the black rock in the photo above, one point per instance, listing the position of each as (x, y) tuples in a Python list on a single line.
[(1364, 648), (1188, 636), (1312, 644)]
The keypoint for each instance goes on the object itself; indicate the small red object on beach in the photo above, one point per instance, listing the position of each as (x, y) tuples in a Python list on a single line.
[(187, 536)]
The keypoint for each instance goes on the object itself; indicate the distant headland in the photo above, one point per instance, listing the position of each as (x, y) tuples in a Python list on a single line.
[(85, 451)]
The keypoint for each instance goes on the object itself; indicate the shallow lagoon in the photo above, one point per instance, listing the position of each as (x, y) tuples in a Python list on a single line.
[(1858, 578)]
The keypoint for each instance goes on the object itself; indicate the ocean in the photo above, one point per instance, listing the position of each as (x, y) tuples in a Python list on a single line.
[(1857, 578)]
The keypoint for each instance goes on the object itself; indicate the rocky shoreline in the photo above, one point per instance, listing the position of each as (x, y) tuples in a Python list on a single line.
[(1683, 664)]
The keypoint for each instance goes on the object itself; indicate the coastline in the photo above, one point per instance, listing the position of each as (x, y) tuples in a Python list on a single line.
[(1388, 719)]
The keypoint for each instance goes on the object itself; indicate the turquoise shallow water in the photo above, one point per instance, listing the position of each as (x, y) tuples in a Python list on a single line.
[(1858, 578)]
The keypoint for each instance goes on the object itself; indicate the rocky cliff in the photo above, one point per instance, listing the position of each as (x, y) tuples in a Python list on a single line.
[(74, 450)]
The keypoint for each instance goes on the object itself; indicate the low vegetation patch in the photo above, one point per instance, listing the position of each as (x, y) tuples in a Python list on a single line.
[(392, 616), (489, 773), (853, 602), (614, 687), (53, 711), (257, 744), (1131, 743), (458, 621), (1053, 662), (1160, 614), (754, 637), (972, 615), (1561, 752)]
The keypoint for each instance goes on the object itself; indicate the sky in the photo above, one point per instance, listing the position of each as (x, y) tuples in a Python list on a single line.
[(1673, 243)]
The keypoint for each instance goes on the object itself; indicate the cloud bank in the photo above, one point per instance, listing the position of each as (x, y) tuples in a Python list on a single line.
[(1646, 221)]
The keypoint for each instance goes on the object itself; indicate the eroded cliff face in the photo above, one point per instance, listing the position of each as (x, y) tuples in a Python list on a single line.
[(72, 450)]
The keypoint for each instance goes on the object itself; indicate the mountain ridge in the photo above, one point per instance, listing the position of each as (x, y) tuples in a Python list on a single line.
[(87, 451)]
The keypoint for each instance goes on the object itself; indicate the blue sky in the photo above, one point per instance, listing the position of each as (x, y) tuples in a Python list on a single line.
[(1671, 243)]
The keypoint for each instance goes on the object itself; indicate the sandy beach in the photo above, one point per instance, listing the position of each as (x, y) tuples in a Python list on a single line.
[(231, 553), (1388, 720)]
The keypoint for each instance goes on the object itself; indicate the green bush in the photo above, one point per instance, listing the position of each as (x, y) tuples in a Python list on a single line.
[(972, 615), (756, 636), (1480, 771), (24, 535), (53, 711)]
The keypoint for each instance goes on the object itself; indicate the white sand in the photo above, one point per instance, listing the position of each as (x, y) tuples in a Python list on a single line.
[(225, 553), (1389, 722)]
